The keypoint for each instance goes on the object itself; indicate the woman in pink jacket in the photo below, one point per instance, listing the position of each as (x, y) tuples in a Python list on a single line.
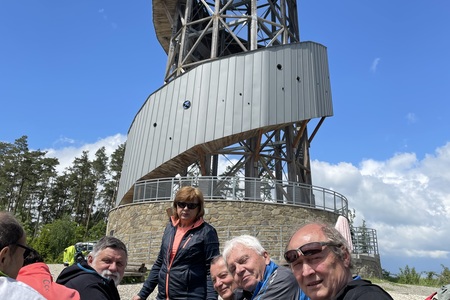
[(36, 274)]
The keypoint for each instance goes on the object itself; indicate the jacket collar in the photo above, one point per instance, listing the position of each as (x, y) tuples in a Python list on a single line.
[(270, 268), (196, 224)]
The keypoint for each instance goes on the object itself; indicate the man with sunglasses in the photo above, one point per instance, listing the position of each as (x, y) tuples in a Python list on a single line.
[(254, 271), (13, 250), (320, 259)]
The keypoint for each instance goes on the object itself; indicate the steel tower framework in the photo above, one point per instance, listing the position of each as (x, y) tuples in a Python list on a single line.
[(196, 32), (203, 30)]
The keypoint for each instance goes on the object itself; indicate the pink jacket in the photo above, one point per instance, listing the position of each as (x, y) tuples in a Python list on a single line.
[(38, 276)]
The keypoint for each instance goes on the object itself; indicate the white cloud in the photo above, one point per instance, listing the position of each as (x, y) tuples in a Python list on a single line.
[(411, 118), (66, 155), (374, 65), (102, 12), (64, 140), (406, 200)]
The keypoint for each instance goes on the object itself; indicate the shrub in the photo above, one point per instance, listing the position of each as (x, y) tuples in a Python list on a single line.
[(408, 276)]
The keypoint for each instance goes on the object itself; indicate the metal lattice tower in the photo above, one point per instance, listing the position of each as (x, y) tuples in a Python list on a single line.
[(203, 30), (238, 84)]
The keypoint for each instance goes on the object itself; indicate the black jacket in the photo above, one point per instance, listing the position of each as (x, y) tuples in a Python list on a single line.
[(240, 294), (188, 276), (88, 282), (362, 289)]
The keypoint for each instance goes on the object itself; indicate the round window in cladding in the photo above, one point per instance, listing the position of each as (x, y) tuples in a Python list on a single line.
[(187, 104)]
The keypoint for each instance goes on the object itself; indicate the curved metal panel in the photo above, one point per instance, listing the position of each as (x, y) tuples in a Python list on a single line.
[(230, 99)]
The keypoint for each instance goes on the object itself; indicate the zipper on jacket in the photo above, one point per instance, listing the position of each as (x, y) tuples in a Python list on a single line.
[(169, 266), (171, 260), (167, 285), (187, 241)]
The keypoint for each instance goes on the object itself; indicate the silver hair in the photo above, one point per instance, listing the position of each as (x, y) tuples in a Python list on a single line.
[(216, 259), (109, 242), (245, 240), (336, 237)]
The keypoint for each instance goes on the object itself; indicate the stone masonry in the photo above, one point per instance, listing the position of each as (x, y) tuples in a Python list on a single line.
[(141, 225)]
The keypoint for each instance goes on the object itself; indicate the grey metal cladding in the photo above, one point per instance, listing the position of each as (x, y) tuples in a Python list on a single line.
[(253, 90)]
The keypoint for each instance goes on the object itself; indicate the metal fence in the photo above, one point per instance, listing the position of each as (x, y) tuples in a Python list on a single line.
[(245, 189), (364, 241)]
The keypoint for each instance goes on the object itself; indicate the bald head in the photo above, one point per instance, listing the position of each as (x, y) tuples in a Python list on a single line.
[(320, 260)]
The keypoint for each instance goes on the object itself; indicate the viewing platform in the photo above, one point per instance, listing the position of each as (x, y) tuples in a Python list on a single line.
[(245, 189)]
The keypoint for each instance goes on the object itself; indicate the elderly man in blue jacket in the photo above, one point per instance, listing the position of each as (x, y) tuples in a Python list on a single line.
[(256, 273)]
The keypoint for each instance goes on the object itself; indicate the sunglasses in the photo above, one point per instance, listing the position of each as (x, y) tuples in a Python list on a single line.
[(27, 250), (306, 250), (189, 205)]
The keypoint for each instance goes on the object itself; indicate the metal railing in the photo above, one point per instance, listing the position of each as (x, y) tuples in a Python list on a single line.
[(364, 241), (245, 189)]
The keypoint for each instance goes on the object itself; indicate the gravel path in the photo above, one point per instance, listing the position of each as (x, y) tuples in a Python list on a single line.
[(407, 292), (397, 291)]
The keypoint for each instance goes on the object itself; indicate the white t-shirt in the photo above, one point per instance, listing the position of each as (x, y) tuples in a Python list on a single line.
[(13, 289)]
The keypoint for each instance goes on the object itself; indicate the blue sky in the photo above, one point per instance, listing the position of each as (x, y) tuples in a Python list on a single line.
[(73, 74)]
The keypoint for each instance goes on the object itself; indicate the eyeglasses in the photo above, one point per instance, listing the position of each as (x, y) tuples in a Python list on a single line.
[(27, 250), (306, 250), (189, 205)]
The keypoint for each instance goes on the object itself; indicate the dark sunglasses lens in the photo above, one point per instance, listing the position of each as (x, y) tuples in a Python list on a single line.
[(306, 250), (312, 252), (311, 249), (192, 205), (189, 205), (291, 256)]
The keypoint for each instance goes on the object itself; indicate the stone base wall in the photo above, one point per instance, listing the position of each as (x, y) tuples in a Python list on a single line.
[(140, 225), (367, 266)]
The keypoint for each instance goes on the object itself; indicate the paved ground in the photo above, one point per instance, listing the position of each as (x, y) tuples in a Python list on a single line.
[(397, 291)]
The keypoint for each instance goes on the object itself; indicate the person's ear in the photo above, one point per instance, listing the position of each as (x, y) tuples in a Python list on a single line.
[(346, 257), (266, 257), (90, 259), (4, 254)]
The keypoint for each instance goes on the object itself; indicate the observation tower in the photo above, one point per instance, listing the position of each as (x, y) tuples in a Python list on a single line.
[(240, 89), (240, 96)]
